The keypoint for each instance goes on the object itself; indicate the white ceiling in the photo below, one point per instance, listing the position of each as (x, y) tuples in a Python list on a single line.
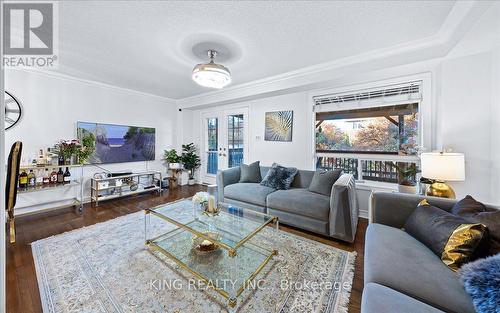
[(147, 45)]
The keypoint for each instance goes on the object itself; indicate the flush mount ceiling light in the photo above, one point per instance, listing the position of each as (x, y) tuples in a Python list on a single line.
[(211, 74)]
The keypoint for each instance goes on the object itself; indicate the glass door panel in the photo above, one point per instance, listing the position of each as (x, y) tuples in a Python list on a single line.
[(212, 146), (235, 133)]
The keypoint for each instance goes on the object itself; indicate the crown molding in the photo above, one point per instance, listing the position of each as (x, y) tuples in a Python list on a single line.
[(94, 83), (460, 19)]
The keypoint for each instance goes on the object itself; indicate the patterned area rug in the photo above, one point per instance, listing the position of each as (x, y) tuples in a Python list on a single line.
[(107, 268)]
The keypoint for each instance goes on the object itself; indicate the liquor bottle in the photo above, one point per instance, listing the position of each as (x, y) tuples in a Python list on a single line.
[(53, 176), (67, 176), (61, 159), (60, 176), (39, 178), (23, 180), (41, 158), (31, 179), (46, 177)]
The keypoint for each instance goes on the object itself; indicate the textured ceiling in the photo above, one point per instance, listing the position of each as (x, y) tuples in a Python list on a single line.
[(148, 45)]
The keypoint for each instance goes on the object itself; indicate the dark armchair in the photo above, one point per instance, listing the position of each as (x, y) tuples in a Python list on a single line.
[(11, 185)]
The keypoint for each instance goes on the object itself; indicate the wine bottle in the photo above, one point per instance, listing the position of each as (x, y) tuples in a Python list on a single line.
[(31, 179), (61, 159), (67, 176), (23, 180), (53, 176), (46, 177), (60, 176)]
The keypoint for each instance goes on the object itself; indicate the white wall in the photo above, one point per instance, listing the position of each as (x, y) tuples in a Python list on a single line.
[(465, 123), (495, 127), (52, 106), (294, 153)]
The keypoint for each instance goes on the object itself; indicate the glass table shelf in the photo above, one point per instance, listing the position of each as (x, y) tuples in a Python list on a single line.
[(173, 229)]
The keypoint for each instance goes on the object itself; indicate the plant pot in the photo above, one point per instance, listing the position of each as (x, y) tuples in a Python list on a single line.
[(175, 166), (407, 189), (191, 181)]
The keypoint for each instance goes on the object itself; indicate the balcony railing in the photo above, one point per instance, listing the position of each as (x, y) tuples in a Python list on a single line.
[(373, 170), (348, 165), (212, 161), (235, 159)]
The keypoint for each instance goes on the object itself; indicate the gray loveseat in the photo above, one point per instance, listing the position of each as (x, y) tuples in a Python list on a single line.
[(402, 274), (335, 216)]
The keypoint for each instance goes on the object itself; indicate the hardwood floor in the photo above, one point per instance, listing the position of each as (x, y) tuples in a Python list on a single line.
[(22, 287)]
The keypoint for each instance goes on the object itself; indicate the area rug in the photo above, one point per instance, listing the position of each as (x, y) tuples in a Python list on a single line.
[(107, 268)]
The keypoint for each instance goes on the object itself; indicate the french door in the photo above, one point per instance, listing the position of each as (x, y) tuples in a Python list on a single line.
[(225, 141)]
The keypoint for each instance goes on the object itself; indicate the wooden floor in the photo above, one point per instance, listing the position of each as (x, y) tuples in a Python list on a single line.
[(22, 287)]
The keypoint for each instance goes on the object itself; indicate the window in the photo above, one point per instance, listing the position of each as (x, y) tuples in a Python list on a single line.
[(381, 130), (367, 132)]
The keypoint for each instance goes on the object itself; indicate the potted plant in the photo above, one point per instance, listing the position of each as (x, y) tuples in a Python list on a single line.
[(191, 160), (86, 148), (406, 177), (67, 149), (173, 159)]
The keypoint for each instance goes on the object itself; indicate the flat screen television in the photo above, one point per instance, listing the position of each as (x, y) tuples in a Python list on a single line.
[(119, 143)]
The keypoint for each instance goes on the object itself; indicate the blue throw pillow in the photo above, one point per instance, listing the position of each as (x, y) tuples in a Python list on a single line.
[(481, 280), (279, 177)]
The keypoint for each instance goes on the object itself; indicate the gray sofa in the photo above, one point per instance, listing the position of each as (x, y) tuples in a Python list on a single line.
[(401, 274), (335, 216)]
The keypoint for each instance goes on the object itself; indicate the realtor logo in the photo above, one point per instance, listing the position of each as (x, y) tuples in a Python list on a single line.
[(30, 34)]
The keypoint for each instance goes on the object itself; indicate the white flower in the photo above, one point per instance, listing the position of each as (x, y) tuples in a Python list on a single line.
[(200, 197)]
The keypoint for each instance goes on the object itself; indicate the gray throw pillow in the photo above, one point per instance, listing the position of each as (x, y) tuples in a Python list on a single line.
[(250, 173), (279, 177), (323, 181)]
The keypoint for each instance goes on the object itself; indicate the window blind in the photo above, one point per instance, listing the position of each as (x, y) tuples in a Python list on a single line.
[(380, 96)]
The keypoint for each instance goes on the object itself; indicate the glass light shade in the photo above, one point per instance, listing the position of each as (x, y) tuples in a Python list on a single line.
[(211, 75), (443, 166)]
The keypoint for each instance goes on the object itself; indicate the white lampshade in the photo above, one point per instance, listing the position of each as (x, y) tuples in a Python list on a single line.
[(211, 75), (443, 166)]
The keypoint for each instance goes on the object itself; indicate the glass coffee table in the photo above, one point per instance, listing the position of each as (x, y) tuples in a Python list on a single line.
[(217, 249)]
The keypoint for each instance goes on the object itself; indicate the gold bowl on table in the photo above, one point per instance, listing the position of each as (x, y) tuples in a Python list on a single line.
[(205, 246)]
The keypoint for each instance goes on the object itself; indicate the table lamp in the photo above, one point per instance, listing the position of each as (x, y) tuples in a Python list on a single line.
[(441, 167)]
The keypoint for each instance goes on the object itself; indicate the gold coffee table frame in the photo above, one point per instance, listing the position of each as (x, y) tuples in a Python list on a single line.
[(232, 251)]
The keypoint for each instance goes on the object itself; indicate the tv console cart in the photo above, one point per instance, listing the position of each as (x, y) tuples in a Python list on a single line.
[(121, 186)]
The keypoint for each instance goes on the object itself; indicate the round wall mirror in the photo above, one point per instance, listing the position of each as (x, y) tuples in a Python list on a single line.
[(12, 110)]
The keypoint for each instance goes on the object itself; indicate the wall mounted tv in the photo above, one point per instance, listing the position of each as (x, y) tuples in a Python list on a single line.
[(119, 143)]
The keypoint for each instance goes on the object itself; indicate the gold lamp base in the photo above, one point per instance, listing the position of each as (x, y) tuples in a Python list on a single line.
[(442, 190)]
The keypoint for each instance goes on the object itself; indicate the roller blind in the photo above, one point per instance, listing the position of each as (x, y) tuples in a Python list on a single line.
[(380, 96)]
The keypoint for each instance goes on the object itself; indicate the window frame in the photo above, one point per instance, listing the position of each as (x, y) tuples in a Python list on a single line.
[(425, 120)]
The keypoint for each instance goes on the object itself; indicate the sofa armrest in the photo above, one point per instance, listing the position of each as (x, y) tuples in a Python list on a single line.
[(393, 209), (344, 209), (225, 178)]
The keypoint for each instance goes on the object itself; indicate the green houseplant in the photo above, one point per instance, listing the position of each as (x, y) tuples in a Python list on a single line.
[(172, 158), (191, 160), (406, 177), (86, 148)]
